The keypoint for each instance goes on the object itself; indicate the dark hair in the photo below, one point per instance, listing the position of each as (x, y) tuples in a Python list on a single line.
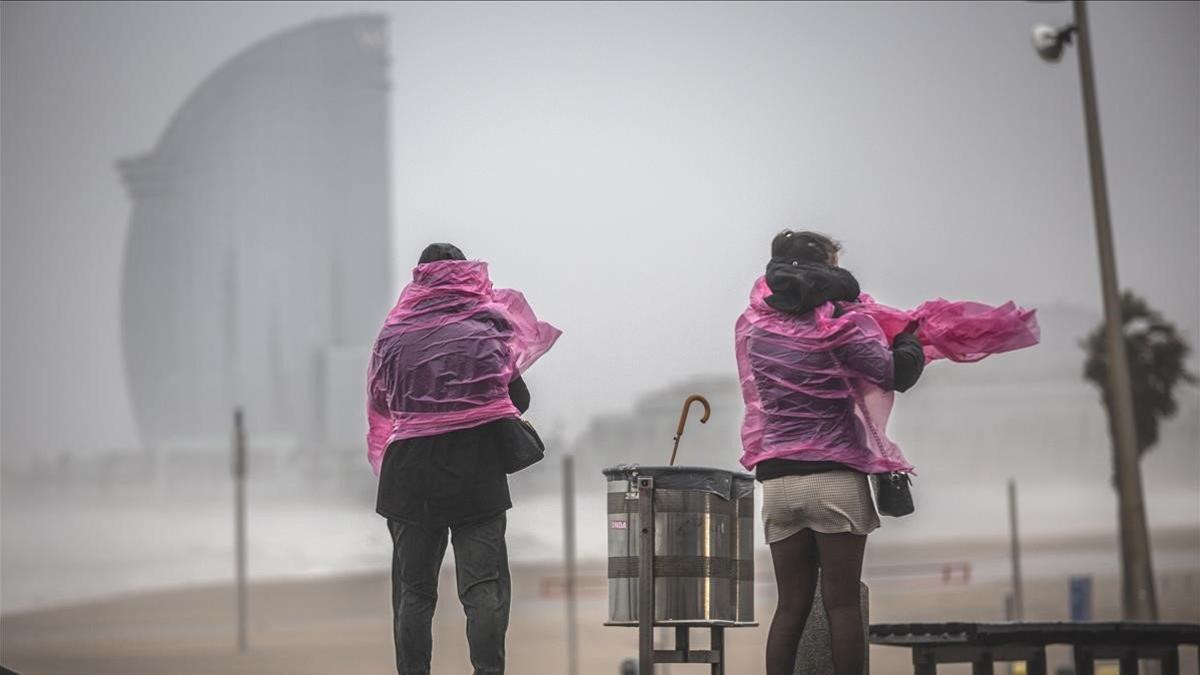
[(435, 252), (806, 246)]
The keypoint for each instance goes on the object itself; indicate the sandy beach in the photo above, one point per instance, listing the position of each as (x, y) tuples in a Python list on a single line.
[(341, 624)]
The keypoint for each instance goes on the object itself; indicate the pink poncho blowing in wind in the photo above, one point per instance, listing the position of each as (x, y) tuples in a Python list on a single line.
[(446, 354), (796, 372)]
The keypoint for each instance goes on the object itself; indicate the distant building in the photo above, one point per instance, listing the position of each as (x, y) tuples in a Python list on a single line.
[(257, 263)]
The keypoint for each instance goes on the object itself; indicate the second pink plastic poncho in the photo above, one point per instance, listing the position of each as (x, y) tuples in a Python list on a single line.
[(446, 354), (796, 370)]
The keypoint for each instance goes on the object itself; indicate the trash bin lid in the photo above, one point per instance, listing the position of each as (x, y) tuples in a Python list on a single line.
[(723, 483)]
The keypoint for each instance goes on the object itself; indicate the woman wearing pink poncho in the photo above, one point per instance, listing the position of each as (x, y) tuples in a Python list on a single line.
[(819, 363), (444, 393)]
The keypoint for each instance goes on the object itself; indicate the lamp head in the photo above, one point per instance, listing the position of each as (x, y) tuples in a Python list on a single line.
[(1048, 41)]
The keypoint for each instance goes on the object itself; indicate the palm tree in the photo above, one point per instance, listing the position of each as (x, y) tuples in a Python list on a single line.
[(1156, 353)]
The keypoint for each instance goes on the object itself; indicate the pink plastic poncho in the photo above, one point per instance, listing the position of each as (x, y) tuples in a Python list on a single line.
[(798, 372), (446, 354)]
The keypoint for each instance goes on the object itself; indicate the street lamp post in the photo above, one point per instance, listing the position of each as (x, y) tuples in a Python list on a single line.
[(1137, 576)]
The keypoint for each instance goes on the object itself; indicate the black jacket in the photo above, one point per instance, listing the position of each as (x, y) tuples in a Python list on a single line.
[(448, 479)]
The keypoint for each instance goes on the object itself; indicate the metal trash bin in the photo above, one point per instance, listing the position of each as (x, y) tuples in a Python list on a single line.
[(703, 545)]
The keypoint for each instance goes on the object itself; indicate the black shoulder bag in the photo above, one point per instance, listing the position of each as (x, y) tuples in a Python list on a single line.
[(892, 494), (522, 446)]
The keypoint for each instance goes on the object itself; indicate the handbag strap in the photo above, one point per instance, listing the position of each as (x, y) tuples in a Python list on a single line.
[(859, 403)]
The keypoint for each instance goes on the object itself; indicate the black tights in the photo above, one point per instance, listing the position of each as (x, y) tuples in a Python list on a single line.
[(796, 560)]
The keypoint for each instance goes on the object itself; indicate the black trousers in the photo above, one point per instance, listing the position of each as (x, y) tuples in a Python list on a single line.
[(484, 588)]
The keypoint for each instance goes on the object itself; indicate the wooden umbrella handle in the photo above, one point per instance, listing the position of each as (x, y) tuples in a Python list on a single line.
[(687, 405)]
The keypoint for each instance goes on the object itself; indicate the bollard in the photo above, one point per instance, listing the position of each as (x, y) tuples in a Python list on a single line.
[(629, 667), (814, 656), (239, 521), (568, 469)]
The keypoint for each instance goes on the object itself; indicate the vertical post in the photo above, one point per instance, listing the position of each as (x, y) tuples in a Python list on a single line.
[(1036, 664), (568, 479), (1010, 614), (1018, 593), (1170, 661), (646, 575), (1129, 662), (239, 522), (924, 661), (1137, 576), (1084, 663), (718, 646)]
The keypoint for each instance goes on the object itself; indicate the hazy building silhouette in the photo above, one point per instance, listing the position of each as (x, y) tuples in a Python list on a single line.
[(256, 266), (644, 435)]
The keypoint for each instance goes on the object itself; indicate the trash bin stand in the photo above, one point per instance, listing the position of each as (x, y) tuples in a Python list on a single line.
[(647, 654)]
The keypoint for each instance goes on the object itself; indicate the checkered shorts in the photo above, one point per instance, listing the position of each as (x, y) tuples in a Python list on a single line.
[(828, 502)]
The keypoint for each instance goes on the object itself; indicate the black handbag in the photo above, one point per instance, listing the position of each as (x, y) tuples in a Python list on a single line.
[(892, 494), (522, 445)]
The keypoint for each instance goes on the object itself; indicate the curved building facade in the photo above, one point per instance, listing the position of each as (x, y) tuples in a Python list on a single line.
[(256, 266)]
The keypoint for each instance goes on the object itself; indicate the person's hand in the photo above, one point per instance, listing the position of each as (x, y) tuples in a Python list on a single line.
[(908, 335)]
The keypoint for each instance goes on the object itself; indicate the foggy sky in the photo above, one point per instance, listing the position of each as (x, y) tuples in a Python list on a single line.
[(625, 166)]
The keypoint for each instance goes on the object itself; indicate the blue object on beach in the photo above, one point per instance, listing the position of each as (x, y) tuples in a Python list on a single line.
[(1081, 598)]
